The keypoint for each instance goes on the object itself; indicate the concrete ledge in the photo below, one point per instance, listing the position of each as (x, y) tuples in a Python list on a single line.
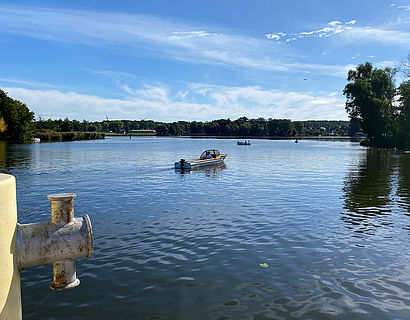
[(10, 296)]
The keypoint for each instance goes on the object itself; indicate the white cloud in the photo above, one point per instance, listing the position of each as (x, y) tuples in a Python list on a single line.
[(219, 102), (332, 28), (406, 7), (28, 83), (141, 34), (393, 34), (274, 36), (334, 23), (378, 35)]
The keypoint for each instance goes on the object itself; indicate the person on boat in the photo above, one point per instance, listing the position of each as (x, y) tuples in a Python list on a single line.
[(208, 156)]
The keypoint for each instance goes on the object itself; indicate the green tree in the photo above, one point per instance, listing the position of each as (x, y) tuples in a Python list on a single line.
[(404, 114), (17, 118), (67, 125), (161, 129), (299, 127), (369, 96), (196, 127)]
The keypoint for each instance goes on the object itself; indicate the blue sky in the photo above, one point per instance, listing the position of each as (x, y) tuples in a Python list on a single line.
[(194, 60)]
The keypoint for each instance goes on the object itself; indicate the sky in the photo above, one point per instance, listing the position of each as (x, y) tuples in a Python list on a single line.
[(194, 60)]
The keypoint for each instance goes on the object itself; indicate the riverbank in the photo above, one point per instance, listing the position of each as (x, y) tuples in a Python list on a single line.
[(68, 136), (111, 134)]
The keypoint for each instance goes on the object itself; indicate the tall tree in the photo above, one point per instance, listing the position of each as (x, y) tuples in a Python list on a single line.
[(404, 114), (17, 118), (369, 96)]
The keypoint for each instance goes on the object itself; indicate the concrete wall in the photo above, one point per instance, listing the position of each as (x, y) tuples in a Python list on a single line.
[(10, 296)]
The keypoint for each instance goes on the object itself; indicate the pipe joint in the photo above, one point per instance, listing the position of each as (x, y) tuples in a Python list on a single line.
[(60, 241)]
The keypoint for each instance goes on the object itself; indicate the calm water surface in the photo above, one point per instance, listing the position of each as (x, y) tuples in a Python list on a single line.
[(330, 219)]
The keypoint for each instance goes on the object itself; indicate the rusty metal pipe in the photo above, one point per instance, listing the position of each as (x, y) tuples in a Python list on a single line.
[(62, 207), (44, 242), (64, 275), (60, 241)]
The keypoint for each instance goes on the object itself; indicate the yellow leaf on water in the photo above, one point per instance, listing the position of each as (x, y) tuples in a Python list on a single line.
[(264, 265)]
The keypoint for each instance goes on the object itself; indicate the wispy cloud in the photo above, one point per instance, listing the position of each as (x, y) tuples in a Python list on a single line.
[(136, 34), (28, 83), (332, 28), (217, 102), (395, 33), (154, 36), (379, 35), (403, 7)]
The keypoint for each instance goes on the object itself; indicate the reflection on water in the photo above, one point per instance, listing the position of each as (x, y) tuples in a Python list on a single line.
[(3, 154), (403, 176), (212, 171), (373, 188), (15, 156)]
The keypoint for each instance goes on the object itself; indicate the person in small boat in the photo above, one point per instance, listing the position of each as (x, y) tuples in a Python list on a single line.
[(208, 156)]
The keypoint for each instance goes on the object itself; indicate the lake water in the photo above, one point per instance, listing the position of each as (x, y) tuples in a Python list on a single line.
[(329, 221)]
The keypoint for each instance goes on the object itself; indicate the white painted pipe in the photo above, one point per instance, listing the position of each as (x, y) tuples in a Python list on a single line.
[(60, 242), (45, 242)]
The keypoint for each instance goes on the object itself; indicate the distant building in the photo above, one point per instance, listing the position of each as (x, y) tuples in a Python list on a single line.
[(142, 131)]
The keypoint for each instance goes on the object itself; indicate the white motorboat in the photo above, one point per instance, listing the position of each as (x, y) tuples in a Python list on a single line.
[(208, 157)]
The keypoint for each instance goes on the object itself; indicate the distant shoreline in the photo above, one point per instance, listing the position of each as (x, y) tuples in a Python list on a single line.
[(353, 138)]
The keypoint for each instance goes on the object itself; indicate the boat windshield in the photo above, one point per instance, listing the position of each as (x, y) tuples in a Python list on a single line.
[(213, 153)]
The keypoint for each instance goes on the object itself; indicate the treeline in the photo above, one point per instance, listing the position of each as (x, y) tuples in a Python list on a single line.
[(222, 127), (17, 124), (380, 107), (114, 126), (254, 127)]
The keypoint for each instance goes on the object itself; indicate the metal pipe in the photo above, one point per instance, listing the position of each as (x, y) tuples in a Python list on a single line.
[(60, 241), (64, 275), (62, 207), (44, 242)]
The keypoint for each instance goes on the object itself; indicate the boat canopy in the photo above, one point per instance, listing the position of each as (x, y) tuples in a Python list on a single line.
[(214, 153)]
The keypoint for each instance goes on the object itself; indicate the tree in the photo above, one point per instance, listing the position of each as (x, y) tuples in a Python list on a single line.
[(16, 118), (369, 96), (405, 66), (67, 125), (299, 127), (161, 129), (404, 114)]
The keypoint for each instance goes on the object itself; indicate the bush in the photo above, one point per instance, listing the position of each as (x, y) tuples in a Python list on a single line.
[(365, 142)]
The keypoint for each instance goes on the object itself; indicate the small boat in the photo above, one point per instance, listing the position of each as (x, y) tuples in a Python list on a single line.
[(244, 143), (208, 157), (35, 139)]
